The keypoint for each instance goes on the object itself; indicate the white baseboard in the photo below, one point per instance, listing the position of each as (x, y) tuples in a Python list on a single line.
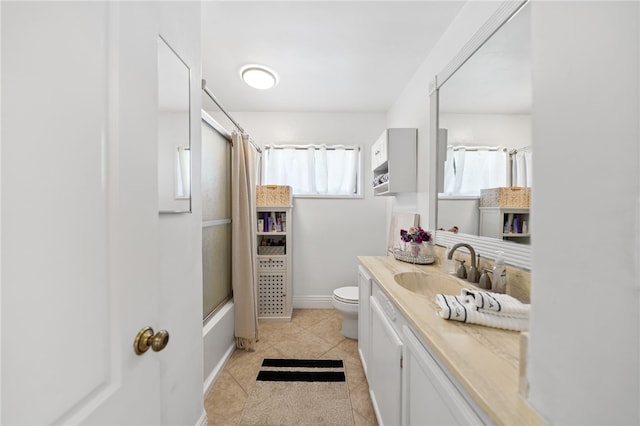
[(202, 421), (211, 379), (312, 302)]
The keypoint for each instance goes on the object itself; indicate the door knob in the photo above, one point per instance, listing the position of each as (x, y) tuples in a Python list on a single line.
[(147, 339)]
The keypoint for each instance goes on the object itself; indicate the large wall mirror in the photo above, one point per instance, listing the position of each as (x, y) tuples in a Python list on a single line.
[(481, 112), (174, 131)]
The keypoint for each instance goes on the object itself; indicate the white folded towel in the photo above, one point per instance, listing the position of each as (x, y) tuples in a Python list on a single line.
[(504, 304), (457, 309)]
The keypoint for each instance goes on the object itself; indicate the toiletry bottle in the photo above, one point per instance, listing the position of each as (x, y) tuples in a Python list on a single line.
[(499, 283), (448, 266)]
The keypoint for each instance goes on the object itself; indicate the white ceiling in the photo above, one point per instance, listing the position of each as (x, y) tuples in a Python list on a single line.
[(331, 56)]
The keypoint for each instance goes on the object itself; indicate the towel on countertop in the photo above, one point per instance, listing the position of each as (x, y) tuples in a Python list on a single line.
[(458, 308), (503, 304)]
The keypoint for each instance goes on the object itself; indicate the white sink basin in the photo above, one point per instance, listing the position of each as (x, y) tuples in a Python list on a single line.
[(427, 284)]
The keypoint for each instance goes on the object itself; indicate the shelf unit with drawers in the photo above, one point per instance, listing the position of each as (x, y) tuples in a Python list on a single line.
[(274, 262)]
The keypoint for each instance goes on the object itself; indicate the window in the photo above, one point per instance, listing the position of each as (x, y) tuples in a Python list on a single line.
[(314, 170), (467, 169)]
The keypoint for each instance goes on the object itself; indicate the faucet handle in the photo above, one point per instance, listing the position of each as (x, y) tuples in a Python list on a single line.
[(473, 275), (485, 279), (462, 270)]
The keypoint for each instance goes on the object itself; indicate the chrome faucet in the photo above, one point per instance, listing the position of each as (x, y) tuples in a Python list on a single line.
[(473, 275)]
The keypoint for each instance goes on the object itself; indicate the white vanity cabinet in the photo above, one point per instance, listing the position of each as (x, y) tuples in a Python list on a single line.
[(393, 161), (429, 397), (407, 383), (385, 369), (364, 317)]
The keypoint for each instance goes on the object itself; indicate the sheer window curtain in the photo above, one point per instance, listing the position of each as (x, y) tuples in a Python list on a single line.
[(243, 250), (312, 169), (469, 170)]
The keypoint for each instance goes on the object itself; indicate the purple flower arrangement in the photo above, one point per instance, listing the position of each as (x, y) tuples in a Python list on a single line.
[(415, 234)]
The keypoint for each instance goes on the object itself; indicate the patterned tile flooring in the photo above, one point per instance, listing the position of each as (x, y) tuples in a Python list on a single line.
[(312, 333)]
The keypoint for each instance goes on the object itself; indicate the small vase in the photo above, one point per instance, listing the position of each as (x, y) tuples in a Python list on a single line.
[(415, 249), (427, 250)]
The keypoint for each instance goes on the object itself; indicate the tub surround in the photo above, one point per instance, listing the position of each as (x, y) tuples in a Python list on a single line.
[(485, 360)]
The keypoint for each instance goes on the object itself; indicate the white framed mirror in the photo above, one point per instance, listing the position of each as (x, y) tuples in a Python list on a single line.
[(174, 131), (482, 100)]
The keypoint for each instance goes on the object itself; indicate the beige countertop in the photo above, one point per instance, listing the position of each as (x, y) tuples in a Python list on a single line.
[(484, 360)]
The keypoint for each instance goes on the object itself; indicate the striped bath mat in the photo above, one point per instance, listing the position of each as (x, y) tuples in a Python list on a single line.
[(299, 392)]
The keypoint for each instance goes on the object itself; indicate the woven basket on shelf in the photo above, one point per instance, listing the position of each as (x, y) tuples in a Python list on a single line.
[(273, 195), (514, 196)]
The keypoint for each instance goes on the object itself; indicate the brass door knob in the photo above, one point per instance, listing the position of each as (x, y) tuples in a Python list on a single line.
[(146, 339)]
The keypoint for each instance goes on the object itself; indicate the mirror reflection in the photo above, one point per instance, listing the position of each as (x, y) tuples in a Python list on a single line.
[(174, 131), (484, 114)]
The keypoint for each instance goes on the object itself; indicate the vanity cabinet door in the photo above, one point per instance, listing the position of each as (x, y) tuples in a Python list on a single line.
[(385, 373), (364, 318), (429, 397)]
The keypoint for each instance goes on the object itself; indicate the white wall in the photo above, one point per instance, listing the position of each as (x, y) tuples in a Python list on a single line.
[(584, 348), (584, 342), (328, 234), (507, 130), (411, 109)]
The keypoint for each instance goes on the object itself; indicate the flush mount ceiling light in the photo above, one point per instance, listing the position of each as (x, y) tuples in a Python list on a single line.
[(259, 77)]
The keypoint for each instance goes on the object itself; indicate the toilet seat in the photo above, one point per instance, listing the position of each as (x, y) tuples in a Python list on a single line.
[(347, 295)]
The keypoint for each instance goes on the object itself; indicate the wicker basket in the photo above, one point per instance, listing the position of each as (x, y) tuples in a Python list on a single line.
[(271, 250), (514, 196), (407, 256), (273, 195)]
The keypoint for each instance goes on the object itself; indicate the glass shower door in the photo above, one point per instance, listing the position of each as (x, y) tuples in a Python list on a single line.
[(216, 219)]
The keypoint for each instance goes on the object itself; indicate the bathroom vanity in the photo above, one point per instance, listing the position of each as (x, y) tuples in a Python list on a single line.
[(425, 370)]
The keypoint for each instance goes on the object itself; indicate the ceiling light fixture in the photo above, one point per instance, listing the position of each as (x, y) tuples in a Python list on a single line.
[(259, 77)]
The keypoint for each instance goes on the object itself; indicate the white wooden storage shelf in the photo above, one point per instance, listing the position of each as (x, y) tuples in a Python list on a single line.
[(393, 161), (506, 223), (274, 262)]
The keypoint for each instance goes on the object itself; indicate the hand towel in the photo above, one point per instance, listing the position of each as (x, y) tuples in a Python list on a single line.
[(487, 301), (457, 309)]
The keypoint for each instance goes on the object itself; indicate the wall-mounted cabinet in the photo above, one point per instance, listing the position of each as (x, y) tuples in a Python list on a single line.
[(394, 161)]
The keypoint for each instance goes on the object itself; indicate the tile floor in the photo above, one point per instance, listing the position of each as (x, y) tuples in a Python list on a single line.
[(312, 333)]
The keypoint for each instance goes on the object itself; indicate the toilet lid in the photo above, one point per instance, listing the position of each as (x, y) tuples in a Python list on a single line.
[(346, 294)]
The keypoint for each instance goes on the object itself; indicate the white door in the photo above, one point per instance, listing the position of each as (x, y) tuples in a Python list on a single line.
[(79, 260)]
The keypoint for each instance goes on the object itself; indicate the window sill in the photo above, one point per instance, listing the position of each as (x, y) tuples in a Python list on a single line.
[(344, 197)]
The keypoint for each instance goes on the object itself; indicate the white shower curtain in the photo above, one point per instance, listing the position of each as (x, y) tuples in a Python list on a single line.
[(521, 168), (469, 170), (243, 244)]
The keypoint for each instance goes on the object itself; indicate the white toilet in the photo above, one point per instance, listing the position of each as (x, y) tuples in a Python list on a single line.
[(345, 300)]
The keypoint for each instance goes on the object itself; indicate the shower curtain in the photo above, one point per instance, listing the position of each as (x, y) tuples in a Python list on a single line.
[(468, 170), (521, 168), (243, 250)]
